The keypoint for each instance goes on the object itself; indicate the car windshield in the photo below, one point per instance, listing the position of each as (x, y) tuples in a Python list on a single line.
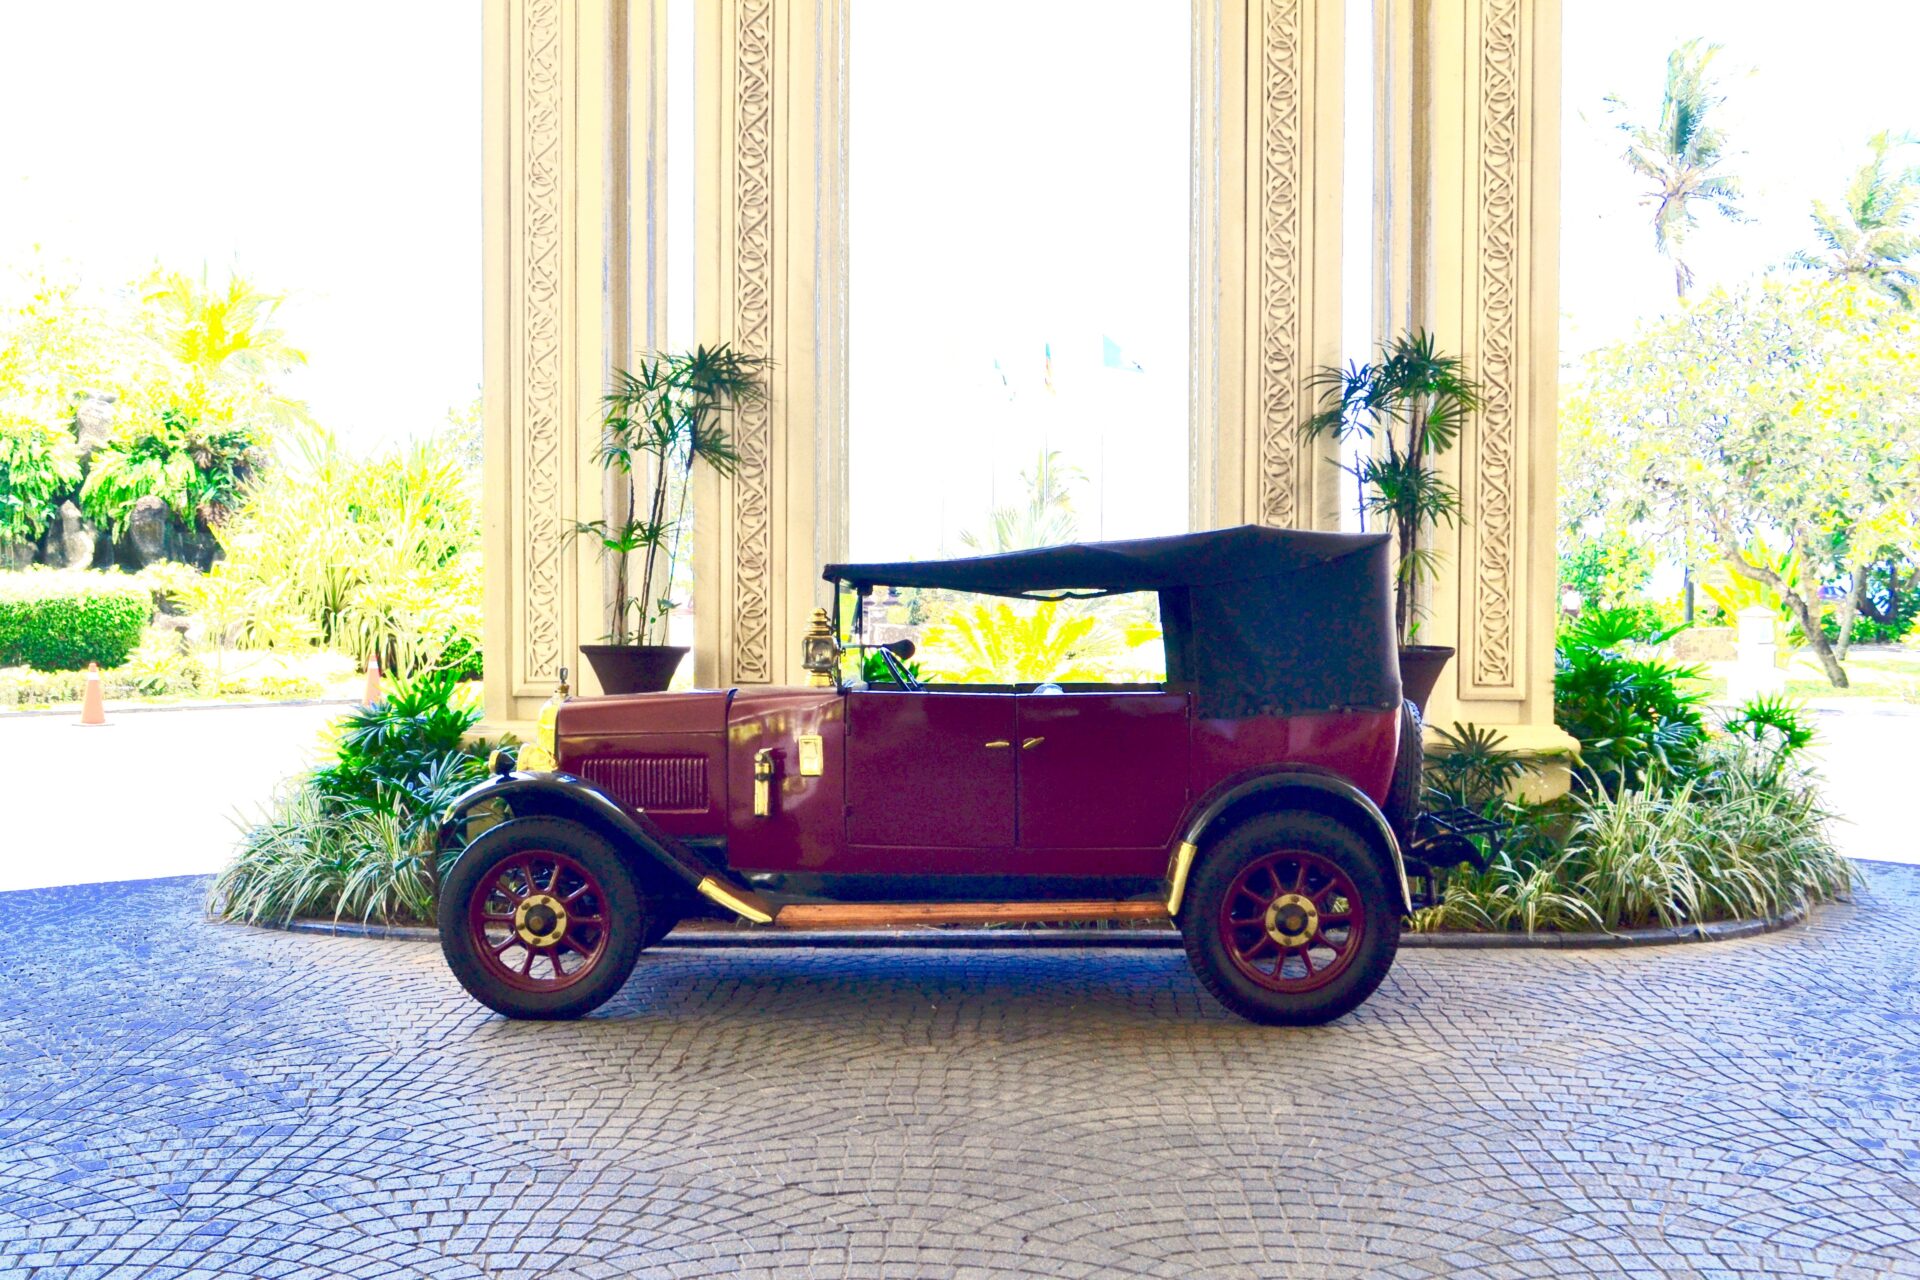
[(961, 638)]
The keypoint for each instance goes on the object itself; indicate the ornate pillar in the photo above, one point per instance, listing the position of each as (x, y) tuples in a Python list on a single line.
[(1266, 257), (1469, 151), (772, 281), (554, 302)]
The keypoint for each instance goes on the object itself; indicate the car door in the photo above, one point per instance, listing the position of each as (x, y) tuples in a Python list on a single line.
[(1103, 781), (931, 772)]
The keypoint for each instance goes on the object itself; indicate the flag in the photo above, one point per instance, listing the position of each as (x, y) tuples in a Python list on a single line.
[(1113, 358)]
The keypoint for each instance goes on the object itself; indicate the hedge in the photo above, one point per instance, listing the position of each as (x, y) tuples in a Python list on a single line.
[(55, 621)]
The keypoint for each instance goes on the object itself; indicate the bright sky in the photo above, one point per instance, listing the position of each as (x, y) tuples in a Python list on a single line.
[(328, 151), (1024, 193)]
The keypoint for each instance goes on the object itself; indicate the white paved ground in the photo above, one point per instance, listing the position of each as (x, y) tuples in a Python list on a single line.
[(1869, 755), (152, 793)]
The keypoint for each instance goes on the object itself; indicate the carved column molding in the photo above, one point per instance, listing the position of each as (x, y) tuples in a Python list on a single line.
[(772, 172), (546, 260), (1468, 150), (1266, 255)]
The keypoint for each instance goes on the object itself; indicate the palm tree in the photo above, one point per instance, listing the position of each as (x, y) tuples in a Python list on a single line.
[(1047, 517), (1681, 156), (1867, 237), (225, 338)]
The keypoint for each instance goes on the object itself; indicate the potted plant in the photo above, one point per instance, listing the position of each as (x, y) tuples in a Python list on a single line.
[(662, 417), (1409, 405)]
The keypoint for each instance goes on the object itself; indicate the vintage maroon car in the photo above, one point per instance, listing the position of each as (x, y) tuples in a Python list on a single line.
[(1259, 797)]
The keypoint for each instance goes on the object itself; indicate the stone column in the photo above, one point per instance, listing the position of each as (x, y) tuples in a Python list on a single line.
[(1469, 165), (1266, 257), (772, 281), (556, 306)]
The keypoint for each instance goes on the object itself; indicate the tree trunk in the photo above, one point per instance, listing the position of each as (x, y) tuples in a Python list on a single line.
[(1850, 610), (1790, 593), (1809, 621)]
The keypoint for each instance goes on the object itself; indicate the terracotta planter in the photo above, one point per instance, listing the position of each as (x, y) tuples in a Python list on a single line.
[(1420, 668), (634, 668)]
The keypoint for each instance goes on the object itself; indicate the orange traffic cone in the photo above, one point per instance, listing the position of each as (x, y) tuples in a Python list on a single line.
[(93, 707), (375, 695)]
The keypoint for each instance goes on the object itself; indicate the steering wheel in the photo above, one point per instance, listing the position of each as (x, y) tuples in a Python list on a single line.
[(897, 669)]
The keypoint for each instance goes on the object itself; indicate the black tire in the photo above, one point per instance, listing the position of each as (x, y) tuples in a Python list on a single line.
[(660, 923), (1405, 794), (1328, 849), (624, 912)]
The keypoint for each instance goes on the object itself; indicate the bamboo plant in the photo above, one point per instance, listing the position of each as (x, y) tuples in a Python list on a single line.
[(1408, 405), (661, 417)]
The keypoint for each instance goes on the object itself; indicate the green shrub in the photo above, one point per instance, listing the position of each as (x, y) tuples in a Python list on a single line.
[(375, 557), (1632, 714), (63, 621), (359, 836), (1743, 836)]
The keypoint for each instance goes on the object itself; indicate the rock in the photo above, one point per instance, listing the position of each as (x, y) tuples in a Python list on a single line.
[(93, 424), (147, 530), (77, 537)]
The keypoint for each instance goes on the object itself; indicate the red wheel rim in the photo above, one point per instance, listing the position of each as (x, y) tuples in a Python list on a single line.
[(1292, 921), (539, 921)]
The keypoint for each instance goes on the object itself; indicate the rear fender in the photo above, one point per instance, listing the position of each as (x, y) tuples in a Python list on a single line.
[(649, 851), (1312, 790)]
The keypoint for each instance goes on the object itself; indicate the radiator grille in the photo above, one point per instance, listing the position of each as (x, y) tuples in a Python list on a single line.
[(650, 782)]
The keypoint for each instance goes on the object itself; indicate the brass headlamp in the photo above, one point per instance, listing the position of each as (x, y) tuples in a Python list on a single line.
[(820, 651)]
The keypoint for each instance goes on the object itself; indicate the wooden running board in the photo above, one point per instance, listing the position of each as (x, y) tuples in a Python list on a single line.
[(896, 915)]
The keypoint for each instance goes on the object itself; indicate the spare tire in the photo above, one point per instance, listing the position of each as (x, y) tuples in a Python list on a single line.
[(1403, 797)]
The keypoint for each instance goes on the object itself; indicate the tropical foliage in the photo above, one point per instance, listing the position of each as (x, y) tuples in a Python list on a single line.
[(1045, 519), (1409, 405), (1787, 412), (1740, 835), (1869, 235), (1007, 642), (184, 371), (359, 837), (1634, 714), (52, 349), (1682, 155), (661, 418), (376, 556)]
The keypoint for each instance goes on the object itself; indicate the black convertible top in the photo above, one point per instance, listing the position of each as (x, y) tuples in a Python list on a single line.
[(1258, 621)]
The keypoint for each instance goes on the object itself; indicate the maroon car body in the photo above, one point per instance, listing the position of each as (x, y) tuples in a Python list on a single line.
[(856, 803), (911, 785)]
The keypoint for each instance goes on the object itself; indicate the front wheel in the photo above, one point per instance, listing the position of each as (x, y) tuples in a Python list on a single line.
[(1288, 920), (539, 919)]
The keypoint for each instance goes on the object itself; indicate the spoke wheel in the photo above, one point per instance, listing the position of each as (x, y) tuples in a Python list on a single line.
[(1289, 919), (539, 921), (1292, 921), (541, 918)]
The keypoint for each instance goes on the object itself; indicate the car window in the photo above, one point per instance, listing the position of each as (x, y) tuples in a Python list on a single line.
[(966, 639)]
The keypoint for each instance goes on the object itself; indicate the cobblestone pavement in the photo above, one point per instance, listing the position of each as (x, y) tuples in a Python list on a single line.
[(178, 1097)]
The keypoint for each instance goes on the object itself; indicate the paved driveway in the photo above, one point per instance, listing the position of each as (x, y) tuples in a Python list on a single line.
[(178, 1094), (153, 793)]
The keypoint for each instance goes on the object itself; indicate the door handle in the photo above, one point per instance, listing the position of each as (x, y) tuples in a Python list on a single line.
[(1028, 744), (997, 744)]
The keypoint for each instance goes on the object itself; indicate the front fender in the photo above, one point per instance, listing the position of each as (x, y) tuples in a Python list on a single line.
[(1305, 788), (564, 795)]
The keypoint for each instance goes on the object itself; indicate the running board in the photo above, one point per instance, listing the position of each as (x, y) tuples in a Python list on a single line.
[(897, 915)]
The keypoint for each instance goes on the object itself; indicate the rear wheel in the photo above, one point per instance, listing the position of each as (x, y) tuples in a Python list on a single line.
[(1288, 920), (540, 919)]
